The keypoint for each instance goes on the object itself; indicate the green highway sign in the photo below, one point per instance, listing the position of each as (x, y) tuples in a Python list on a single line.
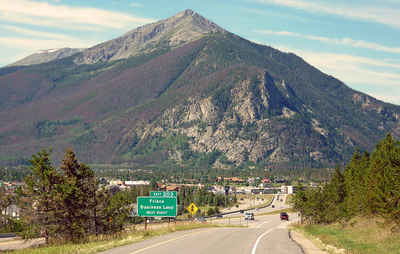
[(163, 194), (156, 206)]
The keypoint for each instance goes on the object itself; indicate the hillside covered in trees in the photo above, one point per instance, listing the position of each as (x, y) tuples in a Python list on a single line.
[(368, 186)]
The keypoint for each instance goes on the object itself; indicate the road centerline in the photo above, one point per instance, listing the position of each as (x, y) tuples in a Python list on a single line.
[(165, 242)]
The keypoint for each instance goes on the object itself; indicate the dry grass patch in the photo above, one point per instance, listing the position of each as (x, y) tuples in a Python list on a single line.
[(109, 243), (359, 236)]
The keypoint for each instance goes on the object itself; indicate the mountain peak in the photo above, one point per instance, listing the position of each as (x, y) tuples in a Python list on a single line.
[(187, 12), (180, 29)]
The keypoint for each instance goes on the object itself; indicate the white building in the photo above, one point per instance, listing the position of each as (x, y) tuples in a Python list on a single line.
[(287, 189), (136, 183)]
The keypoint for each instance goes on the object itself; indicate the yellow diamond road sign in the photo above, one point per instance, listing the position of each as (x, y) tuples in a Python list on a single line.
[(192, 208)]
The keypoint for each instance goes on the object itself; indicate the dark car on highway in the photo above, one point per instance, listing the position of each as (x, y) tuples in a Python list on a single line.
[(284, 216)]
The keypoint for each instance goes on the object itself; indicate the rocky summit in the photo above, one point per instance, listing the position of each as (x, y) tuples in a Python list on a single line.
[(183, 91)]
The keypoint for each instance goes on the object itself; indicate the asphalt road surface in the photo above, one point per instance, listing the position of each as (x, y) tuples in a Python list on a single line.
[(266, 234)]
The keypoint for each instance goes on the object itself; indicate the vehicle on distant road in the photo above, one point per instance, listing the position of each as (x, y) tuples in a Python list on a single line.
[(219, 216), (249, 216), (284, 216), (273, 206), (241, 211)]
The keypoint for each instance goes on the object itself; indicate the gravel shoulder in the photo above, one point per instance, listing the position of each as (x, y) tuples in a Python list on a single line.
[(307, 245)]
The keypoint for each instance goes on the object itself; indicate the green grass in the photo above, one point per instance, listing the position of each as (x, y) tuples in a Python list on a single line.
[(360, 236), (105, 244), (288, 210), (289, 199)]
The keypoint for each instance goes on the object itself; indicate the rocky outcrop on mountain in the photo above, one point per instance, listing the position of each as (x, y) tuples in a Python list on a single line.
[(185, 27), (45, 56)]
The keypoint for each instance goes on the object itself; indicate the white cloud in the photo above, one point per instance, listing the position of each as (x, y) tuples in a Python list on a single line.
[(389, 97), (378, 14), (40, 34), (349, 68), (30, 41), (33, 45), (136, 5), (343, 41), (46, 14), (22, 47), (356, 72)]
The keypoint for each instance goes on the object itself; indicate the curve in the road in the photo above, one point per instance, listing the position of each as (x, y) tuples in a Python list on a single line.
[(253, 251)]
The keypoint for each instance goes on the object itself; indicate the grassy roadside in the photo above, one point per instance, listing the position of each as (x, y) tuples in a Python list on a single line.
[(102, 245), (359, 236), (289, 198), (288, 210)]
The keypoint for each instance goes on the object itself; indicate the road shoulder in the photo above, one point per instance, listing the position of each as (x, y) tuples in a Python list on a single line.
[(306, 244)]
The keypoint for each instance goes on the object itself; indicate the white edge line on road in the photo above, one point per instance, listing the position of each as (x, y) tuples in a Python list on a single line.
[(253, 251), (164, 242)]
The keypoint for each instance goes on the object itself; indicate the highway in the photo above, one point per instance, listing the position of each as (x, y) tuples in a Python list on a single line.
[(266, 234)]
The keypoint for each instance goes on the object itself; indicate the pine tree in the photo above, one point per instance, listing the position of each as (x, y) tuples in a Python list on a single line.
[(334, 195), (355, 175), (299, 202), (39, 195), (76, 205), (113, 211), (384, 179)]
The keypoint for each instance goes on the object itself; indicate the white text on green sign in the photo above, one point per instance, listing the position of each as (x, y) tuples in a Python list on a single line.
[(157, 206), (163, 194)]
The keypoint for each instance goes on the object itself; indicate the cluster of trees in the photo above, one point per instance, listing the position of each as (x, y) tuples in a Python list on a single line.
[(68, 204), (369, 185), (13, 173), (5, 201), (202, 197)]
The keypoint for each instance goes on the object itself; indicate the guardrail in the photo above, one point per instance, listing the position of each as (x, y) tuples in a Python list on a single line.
[(216, 215), (7, 235), (244, 210)]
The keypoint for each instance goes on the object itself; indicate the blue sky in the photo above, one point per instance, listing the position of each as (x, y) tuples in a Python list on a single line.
[(357, 41)]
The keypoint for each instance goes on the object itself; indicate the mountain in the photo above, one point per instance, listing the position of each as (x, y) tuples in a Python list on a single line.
[(185, 92), (45, 56), (186, 26)]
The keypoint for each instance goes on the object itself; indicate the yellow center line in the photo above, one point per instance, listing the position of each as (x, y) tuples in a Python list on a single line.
[(164, 242)]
